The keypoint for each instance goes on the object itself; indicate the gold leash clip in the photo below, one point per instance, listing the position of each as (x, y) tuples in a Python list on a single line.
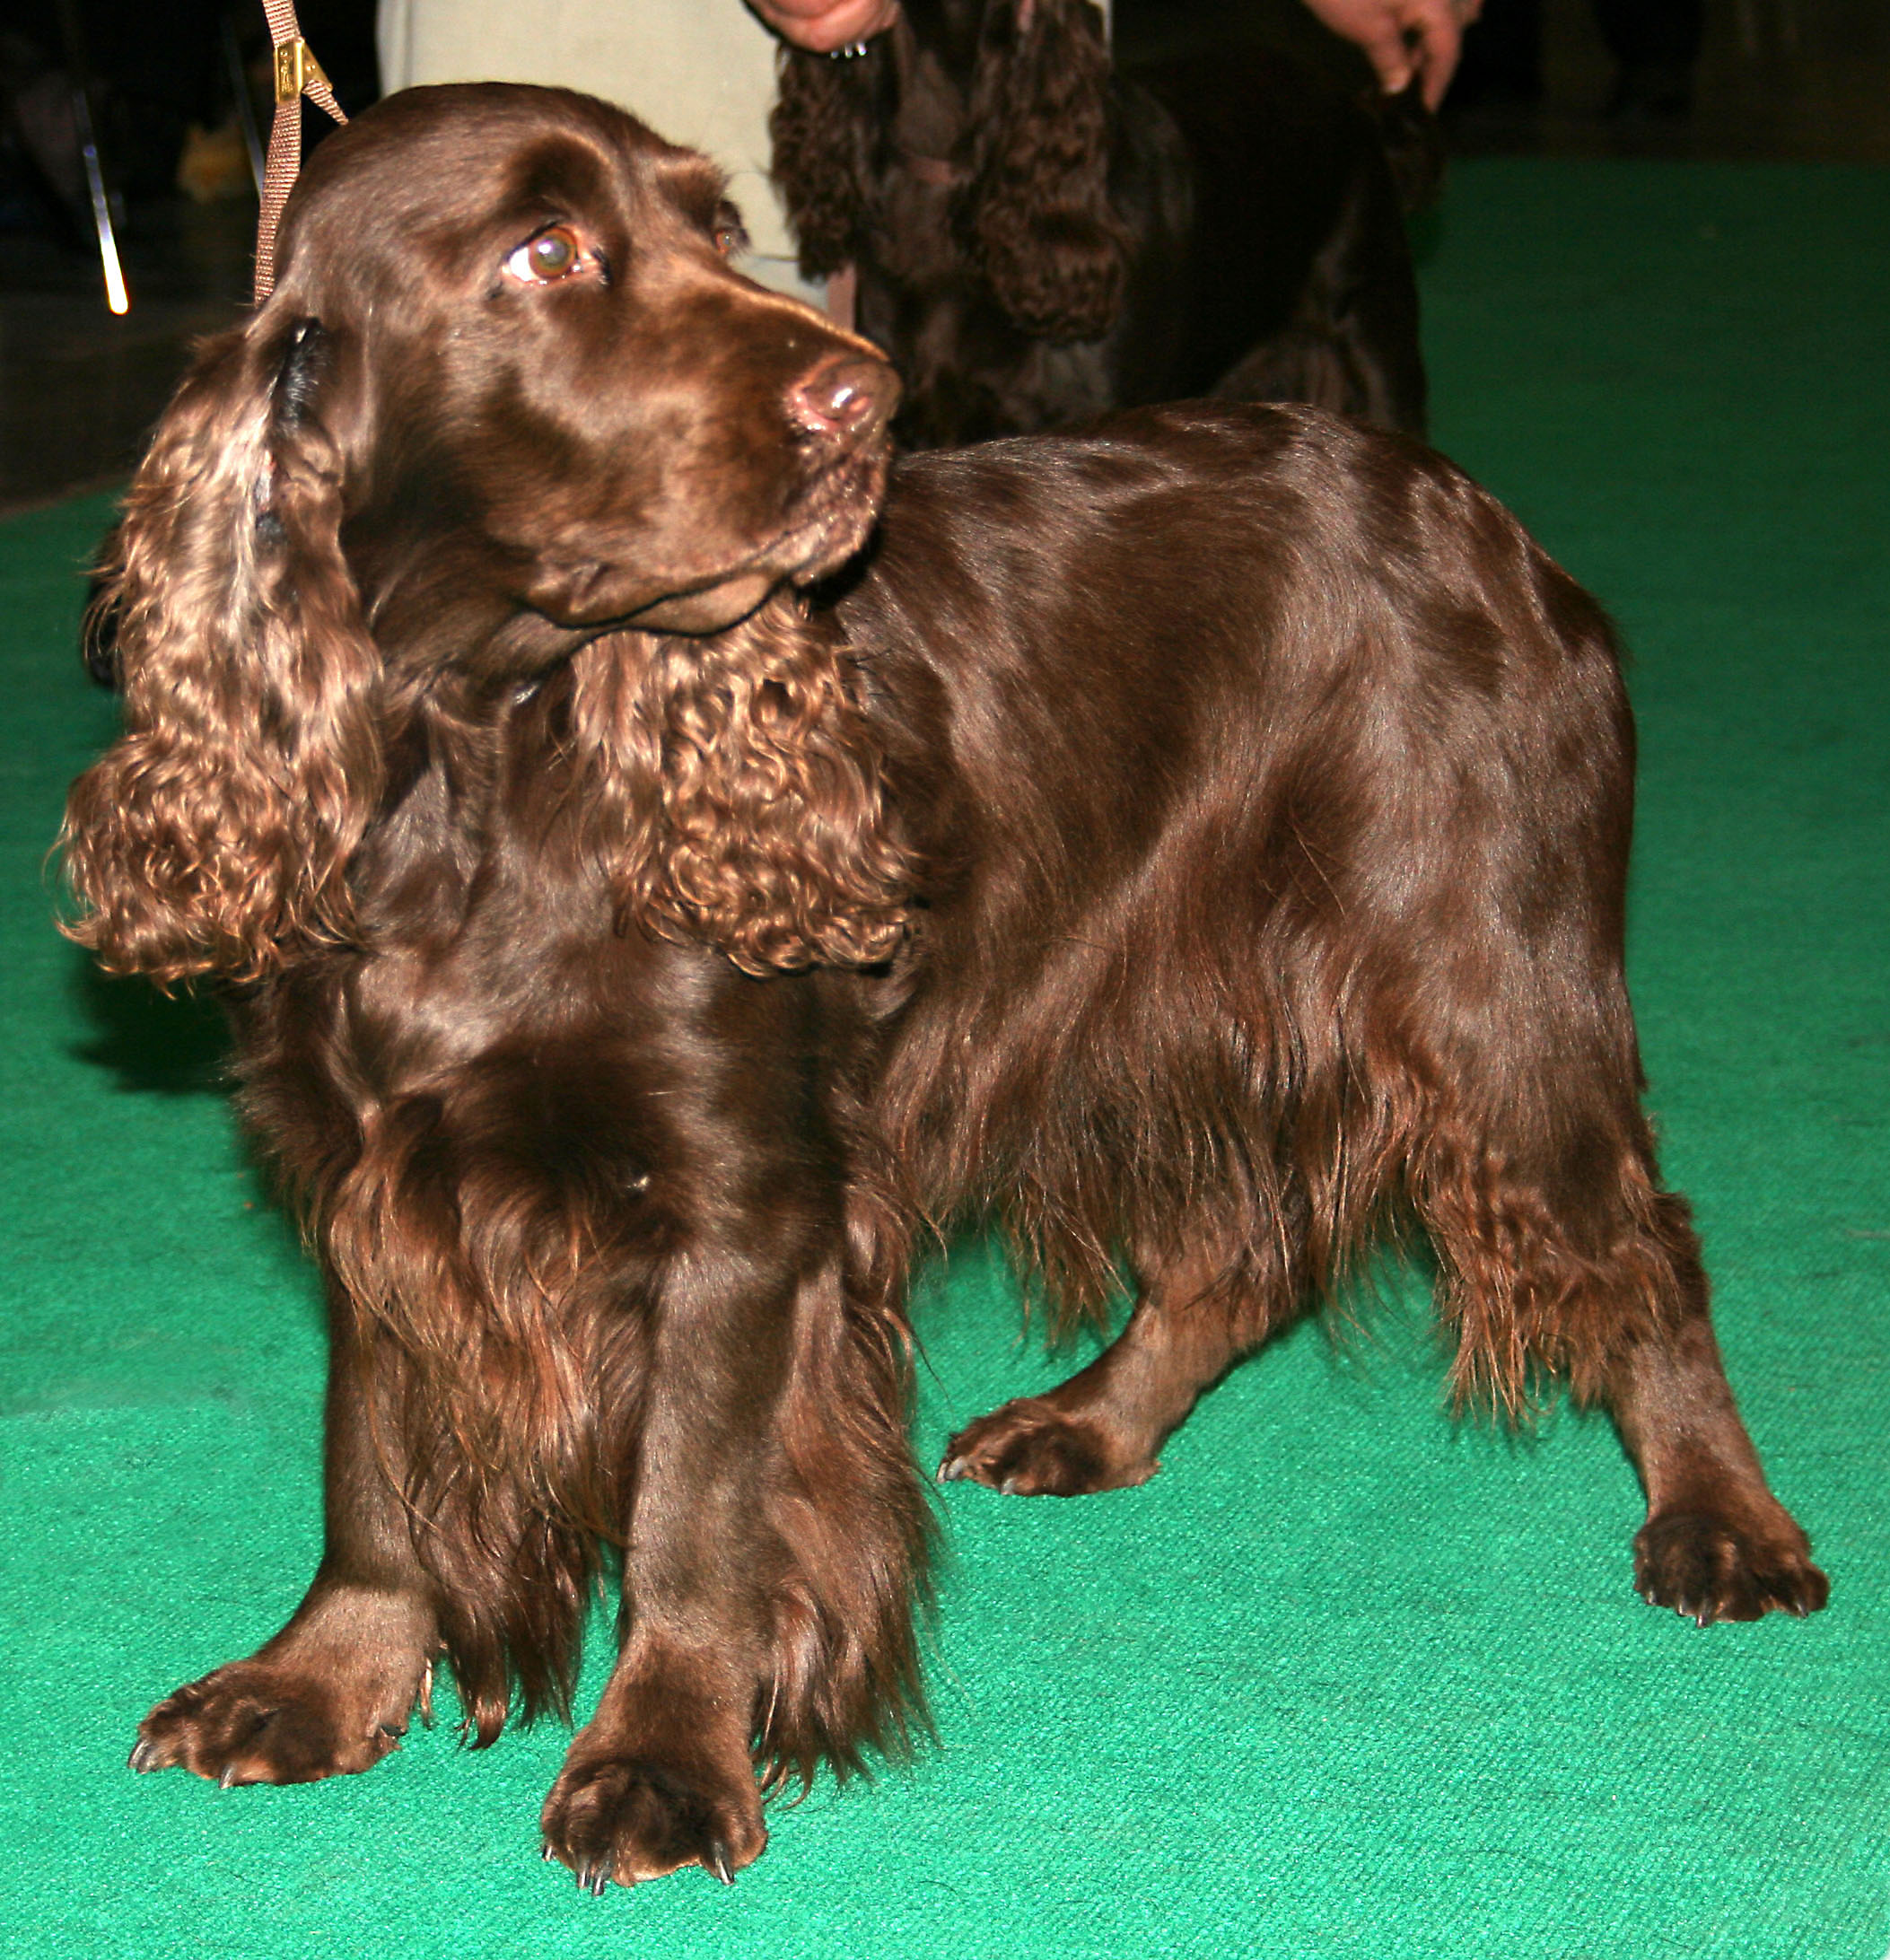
[(296, 68)]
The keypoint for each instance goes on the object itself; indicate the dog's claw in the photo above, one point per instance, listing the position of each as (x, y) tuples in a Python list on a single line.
[(719, 1861), (227, 1780), (952, 1470), (140, 1758)]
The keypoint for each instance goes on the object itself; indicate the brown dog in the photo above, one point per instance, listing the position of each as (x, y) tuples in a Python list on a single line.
[(1195, 844)]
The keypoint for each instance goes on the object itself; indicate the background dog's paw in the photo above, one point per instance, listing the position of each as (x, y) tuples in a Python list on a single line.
[(1031, 1449), (624, 1818), (1711, 1568), (254, 1723)]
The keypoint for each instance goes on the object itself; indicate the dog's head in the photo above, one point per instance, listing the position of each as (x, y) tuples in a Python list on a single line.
[(506, 396), (522, 312)]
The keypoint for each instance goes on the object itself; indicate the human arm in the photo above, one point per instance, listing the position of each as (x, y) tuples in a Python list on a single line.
[(1403, 39)]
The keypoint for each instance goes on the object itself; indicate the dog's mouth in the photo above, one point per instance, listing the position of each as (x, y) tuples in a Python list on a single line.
[(834, 513), (828, 518)]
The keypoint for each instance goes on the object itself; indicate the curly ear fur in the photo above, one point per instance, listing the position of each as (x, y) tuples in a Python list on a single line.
[(214, 836), (733, 787), (1036, 212), (822, 128)]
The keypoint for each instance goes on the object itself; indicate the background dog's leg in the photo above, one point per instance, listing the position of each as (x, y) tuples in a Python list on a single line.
[(333, 1691), (1101, 1429)]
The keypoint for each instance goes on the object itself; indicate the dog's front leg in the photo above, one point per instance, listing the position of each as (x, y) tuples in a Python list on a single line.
[(333, 1691), (662, 1775)]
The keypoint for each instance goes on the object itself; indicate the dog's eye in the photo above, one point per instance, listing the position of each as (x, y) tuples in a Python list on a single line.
[(553, 255), (730, 233)]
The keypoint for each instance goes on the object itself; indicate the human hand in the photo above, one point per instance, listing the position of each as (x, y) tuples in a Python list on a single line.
[(1403, 37), (821, 26)]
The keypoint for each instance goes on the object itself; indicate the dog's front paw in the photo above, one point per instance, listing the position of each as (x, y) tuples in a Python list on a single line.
[(1710, 1568), (628, 1818), (1031, 1449), (259, 1723)]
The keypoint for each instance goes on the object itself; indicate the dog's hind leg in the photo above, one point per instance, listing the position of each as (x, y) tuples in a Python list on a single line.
[(1561, 1253), (1717, 1544), (1195, 1318)]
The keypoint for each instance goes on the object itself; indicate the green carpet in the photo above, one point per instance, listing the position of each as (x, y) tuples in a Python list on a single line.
[(1345, 1680)]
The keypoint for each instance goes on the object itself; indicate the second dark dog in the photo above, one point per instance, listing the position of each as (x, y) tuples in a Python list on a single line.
[(1039, 238)]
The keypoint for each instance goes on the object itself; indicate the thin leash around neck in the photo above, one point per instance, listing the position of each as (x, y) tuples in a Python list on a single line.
[(297, 73)]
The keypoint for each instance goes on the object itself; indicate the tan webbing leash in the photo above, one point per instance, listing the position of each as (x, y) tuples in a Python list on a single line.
[(297, 73)]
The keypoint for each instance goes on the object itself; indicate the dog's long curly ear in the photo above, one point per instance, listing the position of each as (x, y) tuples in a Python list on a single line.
[(733, 790), (822, 128), (1036, 214), (212, 838)]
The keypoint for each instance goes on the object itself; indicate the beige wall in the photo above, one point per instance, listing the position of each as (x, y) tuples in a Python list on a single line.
[(699, 72)]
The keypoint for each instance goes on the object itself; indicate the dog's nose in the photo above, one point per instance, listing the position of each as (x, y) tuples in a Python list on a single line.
[(847, 394)]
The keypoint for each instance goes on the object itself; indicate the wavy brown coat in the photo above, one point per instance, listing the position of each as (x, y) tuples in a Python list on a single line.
[(1197, 846)]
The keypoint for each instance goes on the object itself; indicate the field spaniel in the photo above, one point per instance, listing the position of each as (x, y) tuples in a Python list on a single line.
[(652, 870), (1038, 239)]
